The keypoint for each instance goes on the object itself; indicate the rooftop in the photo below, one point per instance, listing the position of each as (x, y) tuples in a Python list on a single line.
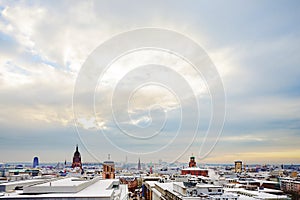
[(194, 168), (72, 188)]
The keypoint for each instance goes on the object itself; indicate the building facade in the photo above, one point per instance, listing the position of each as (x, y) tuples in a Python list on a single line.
[(238, 165), (193, 169), (291, 186), (108, 170)]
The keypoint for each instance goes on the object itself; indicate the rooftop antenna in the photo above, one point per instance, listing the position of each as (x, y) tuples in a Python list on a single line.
[(108, 156)]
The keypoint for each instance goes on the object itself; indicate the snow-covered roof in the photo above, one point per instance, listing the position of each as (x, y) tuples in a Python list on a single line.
[(194, 169), (97, 188)]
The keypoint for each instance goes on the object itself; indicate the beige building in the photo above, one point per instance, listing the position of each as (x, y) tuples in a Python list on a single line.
[(238, 166)]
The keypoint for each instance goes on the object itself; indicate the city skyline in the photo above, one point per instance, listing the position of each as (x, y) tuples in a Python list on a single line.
[(254, 45)]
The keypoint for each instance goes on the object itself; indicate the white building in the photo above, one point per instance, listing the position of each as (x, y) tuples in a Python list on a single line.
[(177, 191), (73, 188)]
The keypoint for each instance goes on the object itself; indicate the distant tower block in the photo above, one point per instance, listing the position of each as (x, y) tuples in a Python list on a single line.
[(76, 159), (35, 162), (238, 165), (139, 165), (192, 162)]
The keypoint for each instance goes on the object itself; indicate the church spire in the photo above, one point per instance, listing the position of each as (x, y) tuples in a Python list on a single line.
[(76, 158)]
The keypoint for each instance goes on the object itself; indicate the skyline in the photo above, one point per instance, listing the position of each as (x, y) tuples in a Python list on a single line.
[(254, 45)]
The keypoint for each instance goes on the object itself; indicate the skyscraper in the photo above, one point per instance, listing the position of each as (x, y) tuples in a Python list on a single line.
[(35, 162), (139, 165)]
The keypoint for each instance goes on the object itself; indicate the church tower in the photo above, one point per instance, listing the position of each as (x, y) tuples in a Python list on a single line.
[(76, 159), (192, 162), (108, 169)]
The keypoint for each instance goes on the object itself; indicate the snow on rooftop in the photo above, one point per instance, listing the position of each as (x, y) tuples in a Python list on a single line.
[(166, 186), (208, 186), (63, 182), (194, 169), (21, 182), (99, 188), (169, 187), (151, 183), (255, 193)]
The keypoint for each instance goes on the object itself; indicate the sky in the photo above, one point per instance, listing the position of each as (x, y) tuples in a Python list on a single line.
[(147, 103)]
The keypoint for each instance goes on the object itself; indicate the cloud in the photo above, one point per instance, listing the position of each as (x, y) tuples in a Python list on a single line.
[(44, 44)]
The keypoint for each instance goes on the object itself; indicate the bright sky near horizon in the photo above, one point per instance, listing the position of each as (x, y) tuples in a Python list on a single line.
[(255, 46)]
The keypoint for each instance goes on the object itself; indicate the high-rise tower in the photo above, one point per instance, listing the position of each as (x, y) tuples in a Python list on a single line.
[(139, 165), (35, 162)]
